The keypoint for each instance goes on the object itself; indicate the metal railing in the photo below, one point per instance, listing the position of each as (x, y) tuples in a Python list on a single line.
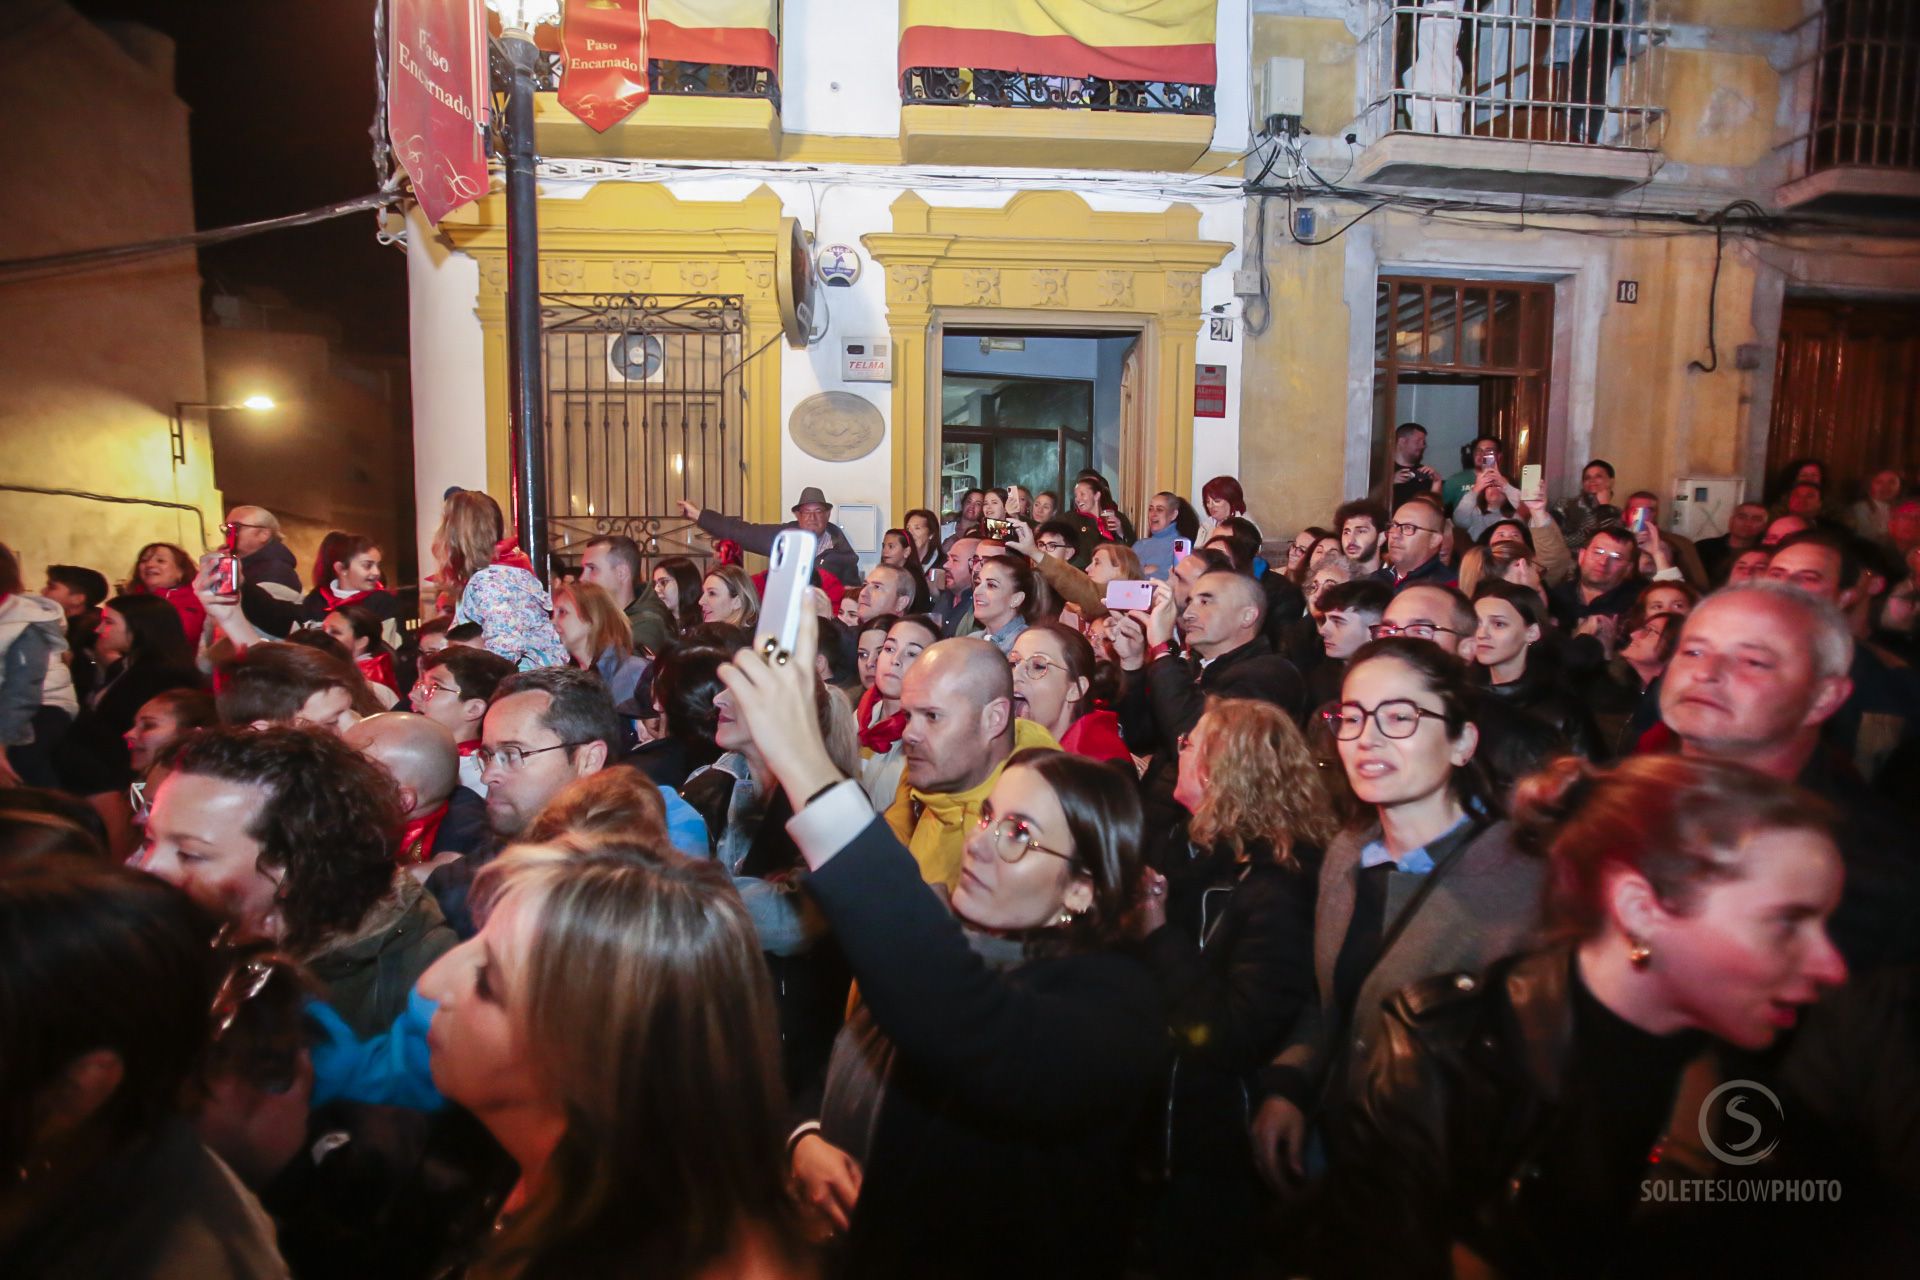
[(984, 87), (1861, 75), (1588, 72)]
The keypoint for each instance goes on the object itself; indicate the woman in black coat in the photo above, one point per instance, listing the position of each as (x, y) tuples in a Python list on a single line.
[(1519, 1118), (1513, 618), (1230, 934), (997, 1106), (154, 655)]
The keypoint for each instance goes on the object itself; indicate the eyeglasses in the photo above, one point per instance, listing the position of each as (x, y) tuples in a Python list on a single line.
[(1605, 554), (235, 527), (1397, 718), (1415, 630), (511, 758), (1038, 667), (1407, 528), (1054, 544), (426, 689), (1013, 839)]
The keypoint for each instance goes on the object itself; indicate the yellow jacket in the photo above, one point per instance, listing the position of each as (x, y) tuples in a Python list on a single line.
[(934, 825)]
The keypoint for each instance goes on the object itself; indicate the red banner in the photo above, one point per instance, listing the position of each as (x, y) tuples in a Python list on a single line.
[(603, 60), (437, 100)]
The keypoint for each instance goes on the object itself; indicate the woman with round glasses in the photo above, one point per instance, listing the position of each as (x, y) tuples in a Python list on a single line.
[(1054, 681), (1430, 883), (979, 1113)]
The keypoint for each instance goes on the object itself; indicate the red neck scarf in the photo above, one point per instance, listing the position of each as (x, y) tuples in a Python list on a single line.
[(334, 600), (416, 842), (878, 736), (469, 748), (378, 668)]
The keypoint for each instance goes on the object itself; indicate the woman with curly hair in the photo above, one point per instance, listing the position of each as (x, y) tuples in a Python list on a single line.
[(289, 835), (1229, 930), (165, 570)]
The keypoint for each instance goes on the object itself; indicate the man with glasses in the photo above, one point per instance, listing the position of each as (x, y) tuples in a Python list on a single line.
[(544, 729), (1604, 584), (453, 690), (263, 556), (1414, 541), (1056, 540)]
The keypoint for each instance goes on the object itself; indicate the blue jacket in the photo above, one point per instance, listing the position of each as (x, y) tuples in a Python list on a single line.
[(1156, 553)]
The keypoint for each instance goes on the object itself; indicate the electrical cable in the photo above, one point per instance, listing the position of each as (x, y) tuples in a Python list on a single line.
[(89, 496), (86, 259)]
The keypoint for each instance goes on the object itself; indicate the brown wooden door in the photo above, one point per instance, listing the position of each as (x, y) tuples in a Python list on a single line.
[(1847, 390)]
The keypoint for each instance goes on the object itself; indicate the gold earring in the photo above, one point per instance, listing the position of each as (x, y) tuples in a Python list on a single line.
[(1639, 955)]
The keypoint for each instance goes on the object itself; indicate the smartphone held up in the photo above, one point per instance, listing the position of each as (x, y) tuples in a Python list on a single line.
[(785, 602)]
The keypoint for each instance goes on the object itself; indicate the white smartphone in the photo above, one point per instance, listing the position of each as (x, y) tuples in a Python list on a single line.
[(1182, 548), (784, 604), (1128, 594), (1533, 482)]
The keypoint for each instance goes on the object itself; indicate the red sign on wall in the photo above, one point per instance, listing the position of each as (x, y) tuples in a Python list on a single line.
[(1209, 391), (603, 61), (437, 100)]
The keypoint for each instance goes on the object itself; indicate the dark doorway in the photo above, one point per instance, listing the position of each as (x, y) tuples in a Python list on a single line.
[(1847, 390)]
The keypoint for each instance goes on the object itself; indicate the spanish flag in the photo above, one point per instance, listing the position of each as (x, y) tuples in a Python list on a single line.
[(737, 33), (1164, 40)]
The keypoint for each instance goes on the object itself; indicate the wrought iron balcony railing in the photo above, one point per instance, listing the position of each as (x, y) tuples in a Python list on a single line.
[(1861, 75), (712, 80), (1591, 74), (982, 87)]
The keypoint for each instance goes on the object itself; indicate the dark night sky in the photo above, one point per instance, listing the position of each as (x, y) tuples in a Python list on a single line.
[(282, 95)]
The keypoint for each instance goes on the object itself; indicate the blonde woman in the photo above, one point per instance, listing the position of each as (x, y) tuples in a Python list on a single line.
[(599, 639), (613, 1027), (728, 595), (1229, 930), (494, 584)]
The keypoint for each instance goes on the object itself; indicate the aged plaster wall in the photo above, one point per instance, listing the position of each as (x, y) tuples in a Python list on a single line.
[(94, 361)]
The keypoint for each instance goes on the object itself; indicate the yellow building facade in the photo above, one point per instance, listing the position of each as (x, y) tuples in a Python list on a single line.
[(1582, 184)]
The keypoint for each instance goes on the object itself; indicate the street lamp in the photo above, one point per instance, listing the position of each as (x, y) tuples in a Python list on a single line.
[(518, 66), (258, 402)]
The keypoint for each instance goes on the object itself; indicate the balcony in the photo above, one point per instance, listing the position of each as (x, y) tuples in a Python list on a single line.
[(698, 107), (1073, 87), (1859, 151), (1543, 97)]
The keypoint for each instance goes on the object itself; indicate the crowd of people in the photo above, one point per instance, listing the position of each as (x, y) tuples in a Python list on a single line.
[(1074, 899)]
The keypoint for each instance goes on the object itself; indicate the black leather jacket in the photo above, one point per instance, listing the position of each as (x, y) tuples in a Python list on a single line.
[(1451, 1140), (1540, 694)]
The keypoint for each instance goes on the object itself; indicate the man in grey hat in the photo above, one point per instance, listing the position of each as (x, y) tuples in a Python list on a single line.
[(837, 555)]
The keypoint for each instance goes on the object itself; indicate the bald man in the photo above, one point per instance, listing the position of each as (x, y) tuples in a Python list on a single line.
[(958, 700), (1163, 692), (444, 819)]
